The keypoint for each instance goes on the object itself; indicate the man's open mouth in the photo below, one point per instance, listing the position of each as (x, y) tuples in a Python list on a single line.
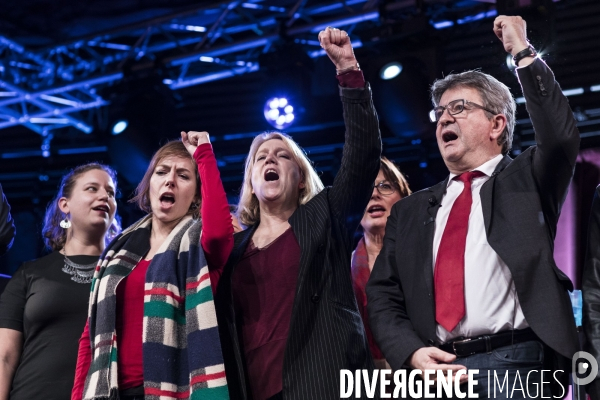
[(449, 136)]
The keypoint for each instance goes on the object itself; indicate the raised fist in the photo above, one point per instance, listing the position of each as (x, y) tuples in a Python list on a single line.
[(192, 139), (338, 47), (512, 32)]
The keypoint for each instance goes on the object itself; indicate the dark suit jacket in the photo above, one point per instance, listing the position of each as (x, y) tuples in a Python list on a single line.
[(521, 204), (591, 292), (3, 282), (7, 225), (326, 332)]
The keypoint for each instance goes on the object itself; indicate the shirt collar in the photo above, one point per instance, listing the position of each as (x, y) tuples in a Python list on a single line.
[(487, 167)]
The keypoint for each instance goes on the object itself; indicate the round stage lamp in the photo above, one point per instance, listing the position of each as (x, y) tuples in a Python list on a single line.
[(390, 71), (119, 127), (279, 112)]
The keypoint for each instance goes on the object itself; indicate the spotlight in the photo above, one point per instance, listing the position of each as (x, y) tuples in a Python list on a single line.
[(119, 127), (279, 112), (46, 144), (390, 71)]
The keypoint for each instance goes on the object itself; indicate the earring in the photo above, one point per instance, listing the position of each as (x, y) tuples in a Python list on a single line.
[(65, 223)]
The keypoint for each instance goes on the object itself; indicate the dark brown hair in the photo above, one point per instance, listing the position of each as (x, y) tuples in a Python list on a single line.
[(174, 148), (54, 236)]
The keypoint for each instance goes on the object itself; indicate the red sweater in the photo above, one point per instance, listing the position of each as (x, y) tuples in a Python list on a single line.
[(216, 241)]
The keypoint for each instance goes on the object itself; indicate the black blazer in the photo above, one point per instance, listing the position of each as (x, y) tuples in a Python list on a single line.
[(521, 204), (7, 224), (326, 332), (591, 292)]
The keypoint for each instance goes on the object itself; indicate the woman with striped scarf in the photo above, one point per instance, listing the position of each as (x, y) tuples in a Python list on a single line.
[(152, 330)]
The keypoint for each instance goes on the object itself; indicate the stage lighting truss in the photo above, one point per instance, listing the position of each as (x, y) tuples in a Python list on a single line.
[(196, 45), (279, 112), (49, 88)]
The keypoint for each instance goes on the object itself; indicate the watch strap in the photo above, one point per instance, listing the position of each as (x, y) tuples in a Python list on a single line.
[(528, 52)]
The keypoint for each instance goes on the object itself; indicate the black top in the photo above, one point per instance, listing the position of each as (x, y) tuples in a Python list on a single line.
[(51, 310)]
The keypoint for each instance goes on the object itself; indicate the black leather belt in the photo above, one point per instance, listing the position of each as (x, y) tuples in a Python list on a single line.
[(463, 347)]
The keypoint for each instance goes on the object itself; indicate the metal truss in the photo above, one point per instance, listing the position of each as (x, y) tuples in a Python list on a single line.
[(50, 88), (42, 89)]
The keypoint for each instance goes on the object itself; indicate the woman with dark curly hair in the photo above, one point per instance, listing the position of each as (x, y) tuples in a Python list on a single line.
[(45, 304)]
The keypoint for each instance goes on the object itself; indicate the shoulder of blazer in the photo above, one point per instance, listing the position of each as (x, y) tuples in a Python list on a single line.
[(505, 162), (420, 201), (421, 196), (509, 166), (305, 210), (240, 242)]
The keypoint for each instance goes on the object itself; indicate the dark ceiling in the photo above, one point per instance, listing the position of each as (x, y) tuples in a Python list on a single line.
[(141, 60)]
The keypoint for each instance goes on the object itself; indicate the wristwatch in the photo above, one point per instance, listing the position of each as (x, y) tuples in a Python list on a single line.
[(528, 52)]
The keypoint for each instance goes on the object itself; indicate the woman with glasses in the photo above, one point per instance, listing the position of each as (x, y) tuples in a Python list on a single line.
[(390, 186)]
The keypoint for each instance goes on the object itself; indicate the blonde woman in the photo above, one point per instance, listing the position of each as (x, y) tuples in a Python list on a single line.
[(287, 313)]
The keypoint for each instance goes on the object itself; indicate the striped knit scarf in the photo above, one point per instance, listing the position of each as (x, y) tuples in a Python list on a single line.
[(182, 355)]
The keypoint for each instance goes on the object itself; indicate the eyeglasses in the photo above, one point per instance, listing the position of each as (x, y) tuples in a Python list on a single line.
[(385, 188), (454, 107)]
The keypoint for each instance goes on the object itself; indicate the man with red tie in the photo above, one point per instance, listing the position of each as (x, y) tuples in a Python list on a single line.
[(466, 279)]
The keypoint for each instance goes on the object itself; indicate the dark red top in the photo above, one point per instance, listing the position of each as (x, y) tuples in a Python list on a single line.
[(264, 285), (360, 277), (130, 326), (216, 241)]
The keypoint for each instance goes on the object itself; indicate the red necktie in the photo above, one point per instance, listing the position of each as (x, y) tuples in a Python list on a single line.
[(449, 275)]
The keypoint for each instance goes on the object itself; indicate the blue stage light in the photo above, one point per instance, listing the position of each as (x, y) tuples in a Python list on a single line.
[(390, 71), (279, 112), (119, 127)]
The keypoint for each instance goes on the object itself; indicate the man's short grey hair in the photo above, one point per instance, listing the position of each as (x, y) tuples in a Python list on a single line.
[(496, 96)]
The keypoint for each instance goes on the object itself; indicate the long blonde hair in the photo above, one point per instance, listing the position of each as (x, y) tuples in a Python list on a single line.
[(248, 208)]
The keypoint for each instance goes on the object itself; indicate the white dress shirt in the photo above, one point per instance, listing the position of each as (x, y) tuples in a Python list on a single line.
[(491, 302)]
